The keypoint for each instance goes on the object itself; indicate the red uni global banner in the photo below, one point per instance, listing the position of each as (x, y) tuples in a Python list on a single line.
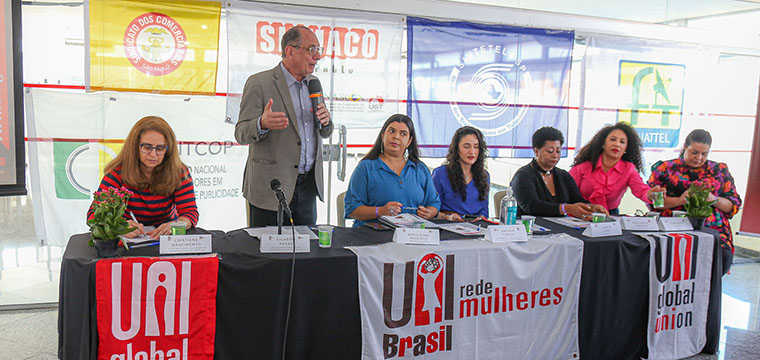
[(156, 308), (680, 274), (471, 299)]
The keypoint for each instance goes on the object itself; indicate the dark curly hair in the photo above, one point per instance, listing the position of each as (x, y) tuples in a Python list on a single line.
[(593, 149), (454, 167), (414, 152), (547, 133)]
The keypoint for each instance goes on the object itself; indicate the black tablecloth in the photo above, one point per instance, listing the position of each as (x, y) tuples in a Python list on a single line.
[(325, 322)]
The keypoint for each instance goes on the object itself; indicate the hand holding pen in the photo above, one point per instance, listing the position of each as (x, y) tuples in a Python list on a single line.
[(135, 224)]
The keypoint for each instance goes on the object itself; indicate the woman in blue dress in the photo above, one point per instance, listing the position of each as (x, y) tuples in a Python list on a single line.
[(462, 181), (391, 179)]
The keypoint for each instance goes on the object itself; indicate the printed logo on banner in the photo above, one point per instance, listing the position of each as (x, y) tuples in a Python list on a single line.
[(430, 299), (675, 264), (492, 88), (78, 167), (153, 308), (155, 44), (655, 95), (338, 42)]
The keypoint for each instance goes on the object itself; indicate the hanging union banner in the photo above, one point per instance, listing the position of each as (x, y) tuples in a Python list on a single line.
[(506, 81), (679, 293), (153, 46), (470, 299), (156, 308)]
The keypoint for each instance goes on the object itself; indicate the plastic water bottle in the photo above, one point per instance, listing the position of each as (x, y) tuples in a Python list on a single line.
[(508, 209)]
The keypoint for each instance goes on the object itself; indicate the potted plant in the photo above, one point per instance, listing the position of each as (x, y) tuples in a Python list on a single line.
[(108, 220), (697, 206)]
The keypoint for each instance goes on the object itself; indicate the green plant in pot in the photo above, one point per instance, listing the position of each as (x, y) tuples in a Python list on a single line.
[(697, 206), (108, 220)]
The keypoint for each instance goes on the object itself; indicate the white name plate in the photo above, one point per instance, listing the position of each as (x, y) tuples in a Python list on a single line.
[(506, 233), (675, 224), (640, 223), (611, 228), (185, 244), (416, 236), (284, 243)]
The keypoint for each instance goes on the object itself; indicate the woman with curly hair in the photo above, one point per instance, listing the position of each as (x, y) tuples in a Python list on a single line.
[(608, 165), (462, 181), (678, 174)]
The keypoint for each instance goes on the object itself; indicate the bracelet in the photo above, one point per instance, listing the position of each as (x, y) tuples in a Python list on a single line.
[(376, 209), (562, 209)]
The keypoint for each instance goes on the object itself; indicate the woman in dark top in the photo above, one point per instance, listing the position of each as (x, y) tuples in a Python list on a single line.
[(541, 189)]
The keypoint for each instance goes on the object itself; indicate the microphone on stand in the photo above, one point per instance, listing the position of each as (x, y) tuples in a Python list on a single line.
[(315, 94), (277, 188)]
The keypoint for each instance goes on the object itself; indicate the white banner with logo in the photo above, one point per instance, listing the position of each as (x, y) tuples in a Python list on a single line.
[(679, 293), (72, 146), (361, 71), (471, 299)]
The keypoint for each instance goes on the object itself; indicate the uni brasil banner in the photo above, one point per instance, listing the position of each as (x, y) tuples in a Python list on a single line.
[(680, 269), (167, 46), (471, 299), (360, 70), (156, 308), (506, 81)]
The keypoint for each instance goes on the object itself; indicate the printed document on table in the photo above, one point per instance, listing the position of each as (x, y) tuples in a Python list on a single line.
[(272, 230), (568, 221), (464, 228), (139, 239), (406, 220)]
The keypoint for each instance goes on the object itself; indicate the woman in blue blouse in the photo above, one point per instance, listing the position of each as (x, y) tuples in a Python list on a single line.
[(391, 178), (462, 181)]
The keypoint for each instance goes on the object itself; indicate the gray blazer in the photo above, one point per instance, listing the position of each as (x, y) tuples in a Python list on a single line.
[(274, 155)]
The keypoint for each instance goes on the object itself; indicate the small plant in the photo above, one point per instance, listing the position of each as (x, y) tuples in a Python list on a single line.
[(697, 204), (108, 220)]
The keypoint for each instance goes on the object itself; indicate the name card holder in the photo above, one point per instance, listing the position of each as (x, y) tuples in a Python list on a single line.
[(284, 243), (416, 236), (675, 224), (506, 233), (639, 223), (184, 244), (610, 228)]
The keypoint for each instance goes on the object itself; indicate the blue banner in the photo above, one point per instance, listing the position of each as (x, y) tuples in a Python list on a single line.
[(506, 81)]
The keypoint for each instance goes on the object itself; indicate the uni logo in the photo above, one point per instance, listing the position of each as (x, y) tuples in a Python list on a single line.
[(75, 165), (653, 100), (432, 299), (679, 257)]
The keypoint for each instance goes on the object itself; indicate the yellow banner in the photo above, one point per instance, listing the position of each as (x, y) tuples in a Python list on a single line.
[(154, 46)]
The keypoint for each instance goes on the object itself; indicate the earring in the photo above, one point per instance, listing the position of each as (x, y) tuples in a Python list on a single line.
[(381, 148), (406, 153)]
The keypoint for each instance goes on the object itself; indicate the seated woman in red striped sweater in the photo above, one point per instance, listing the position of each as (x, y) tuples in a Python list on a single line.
[(149, 166)]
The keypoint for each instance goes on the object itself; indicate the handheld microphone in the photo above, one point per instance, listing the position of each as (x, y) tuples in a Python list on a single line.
[(277, 188), (315, 94)]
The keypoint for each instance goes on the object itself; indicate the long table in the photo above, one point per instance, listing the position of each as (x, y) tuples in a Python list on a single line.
[(325, 322)]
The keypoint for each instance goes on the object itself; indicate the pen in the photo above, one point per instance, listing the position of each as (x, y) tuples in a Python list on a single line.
[(135, 220), (146, 244)]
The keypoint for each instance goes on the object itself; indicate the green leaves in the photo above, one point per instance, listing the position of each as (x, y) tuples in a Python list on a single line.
[(696, 200), (108, 220)]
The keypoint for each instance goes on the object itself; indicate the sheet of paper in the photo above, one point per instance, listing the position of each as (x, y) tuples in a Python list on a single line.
[(463, 228), (569, 221), (139, 238), (272, 230)]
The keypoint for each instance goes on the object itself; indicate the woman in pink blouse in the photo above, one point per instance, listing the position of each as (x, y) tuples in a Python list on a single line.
[(608, 165)]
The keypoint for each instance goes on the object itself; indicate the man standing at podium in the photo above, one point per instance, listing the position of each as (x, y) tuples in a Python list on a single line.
[(284, 133)]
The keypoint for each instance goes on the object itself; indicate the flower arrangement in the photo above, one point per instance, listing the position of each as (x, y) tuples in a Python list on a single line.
[(108, 220), (697, 204)]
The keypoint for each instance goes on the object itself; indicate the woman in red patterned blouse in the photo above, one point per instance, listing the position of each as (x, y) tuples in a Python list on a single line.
[(149, 166), (676, 175)]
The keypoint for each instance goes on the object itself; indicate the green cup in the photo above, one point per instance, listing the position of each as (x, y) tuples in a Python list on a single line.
[(598, 217), (178, 228), (658, 199), (528, 221)]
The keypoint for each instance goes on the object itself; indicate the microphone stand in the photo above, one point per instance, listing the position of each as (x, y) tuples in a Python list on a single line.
[(280, 210)]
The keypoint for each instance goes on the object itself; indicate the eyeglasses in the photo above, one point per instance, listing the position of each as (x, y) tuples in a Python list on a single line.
[(313, 50), (148, 148)]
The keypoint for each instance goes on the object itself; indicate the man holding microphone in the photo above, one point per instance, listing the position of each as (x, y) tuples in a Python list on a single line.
[(284, 133)]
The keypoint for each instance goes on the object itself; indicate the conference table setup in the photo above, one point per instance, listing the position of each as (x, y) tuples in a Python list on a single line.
[(559, 294)]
